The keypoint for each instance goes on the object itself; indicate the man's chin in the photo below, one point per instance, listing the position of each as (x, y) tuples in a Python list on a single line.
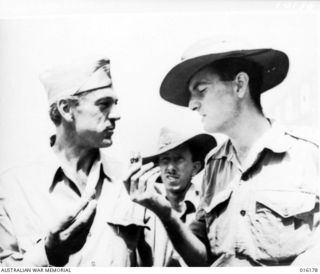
[(177, 190), (173, 185), (106, 143)]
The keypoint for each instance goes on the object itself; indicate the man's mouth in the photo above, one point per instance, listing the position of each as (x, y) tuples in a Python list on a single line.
[(172, 177), (109, 132)]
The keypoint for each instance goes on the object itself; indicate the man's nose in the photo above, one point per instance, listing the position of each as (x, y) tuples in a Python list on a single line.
[(171, 167), (194, 104), (114, 113)]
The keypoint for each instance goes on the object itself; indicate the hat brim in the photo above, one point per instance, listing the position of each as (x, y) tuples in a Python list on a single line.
[(200, 144), (274, 64)]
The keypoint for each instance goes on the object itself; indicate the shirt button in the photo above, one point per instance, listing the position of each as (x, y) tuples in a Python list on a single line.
[(93, 263), (243, 212)]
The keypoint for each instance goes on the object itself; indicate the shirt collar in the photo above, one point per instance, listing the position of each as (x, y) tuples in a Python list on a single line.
[(226, 150), (106, 166), (191, 200), (192, 195), (274, 139)]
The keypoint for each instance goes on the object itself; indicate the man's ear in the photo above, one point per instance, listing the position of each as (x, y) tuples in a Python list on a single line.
[(64, 107), (196, 167), (241, 84)]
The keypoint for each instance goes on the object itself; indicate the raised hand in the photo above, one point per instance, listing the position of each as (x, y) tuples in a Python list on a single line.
[(140, 184), (69, 234)]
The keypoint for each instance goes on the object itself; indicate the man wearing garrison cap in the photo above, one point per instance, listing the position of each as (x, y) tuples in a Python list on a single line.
[(260, 193), (69, 209)]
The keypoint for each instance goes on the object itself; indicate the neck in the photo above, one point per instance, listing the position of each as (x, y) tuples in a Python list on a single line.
[(176, 199), (250, 125), (77, 158)]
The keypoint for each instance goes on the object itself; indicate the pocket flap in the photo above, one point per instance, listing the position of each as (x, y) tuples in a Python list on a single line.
[(287, 203), (126, 214), (126, 222), (123, 212)]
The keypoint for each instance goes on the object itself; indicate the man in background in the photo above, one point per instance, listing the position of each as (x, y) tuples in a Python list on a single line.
[(180, 157)]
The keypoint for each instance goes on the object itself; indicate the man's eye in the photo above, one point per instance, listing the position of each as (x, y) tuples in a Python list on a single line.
[(202, 90), (106, 104), (180, 159), (164, 160)]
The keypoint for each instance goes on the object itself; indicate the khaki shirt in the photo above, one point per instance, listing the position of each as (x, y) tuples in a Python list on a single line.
[(33, 197), (163, 253), (264, 213)]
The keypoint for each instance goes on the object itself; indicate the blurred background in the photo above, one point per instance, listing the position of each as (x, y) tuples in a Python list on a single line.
[(144, 42)]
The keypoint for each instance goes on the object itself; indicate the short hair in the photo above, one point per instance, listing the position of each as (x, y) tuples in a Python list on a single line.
[(227, 69), (54, 112)]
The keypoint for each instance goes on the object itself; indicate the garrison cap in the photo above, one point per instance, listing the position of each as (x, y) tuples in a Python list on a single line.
[(76, 77)]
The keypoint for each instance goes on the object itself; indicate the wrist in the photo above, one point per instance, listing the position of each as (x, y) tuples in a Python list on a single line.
[(161, 207)]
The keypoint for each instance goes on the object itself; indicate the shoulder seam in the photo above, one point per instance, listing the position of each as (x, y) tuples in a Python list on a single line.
[(303, 139)]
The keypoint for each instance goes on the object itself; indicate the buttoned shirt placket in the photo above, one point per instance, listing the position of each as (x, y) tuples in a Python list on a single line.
[(240, 199), (92, 179), (238, 204)]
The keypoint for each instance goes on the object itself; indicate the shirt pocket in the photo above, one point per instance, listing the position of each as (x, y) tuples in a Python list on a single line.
[(286, 203), (129, 233), (283, 222), (127, 222), (125, 242)]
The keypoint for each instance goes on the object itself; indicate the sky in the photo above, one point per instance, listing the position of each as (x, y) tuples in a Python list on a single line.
[(144, 44)]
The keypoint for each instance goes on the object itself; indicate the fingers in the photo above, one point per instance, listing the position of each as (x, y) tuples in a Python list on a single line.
[(69, 218), (135, 179), (157, 189), (148, 179), (136, 163), (85, 199), (142, 171), (74, 212), (81, 221), (134, 168), (154, 177)]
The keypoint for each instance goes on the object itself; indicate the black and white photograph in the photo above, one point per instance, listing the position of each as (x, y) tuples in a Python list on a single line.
[(159, 134)]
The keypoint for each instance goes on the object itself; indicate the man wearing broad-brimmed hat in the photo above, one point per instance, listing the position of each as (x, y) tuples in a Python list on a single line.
[(68, 208), (260, 195), (180, 157)]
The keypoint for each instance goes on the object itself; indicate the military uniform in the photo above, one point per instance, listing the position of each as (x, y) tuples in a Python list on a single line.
[(34, 196), (264, 213)]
